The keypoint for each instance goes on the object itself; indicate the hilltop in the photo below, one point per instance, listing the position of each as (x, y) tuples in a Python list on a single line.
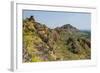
[(41, 43)]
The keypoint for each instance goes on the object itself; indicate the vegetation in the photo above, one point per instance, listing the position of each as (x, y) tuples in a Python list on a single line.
[(41, 43)]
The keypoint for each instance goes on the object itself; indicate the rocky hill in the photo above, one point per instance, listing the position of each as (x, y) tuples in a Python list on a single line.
[(41, 43)]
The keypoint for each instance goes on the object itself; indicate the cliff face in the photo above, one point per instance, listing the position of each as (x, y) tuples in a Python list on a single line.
[(41, 43)]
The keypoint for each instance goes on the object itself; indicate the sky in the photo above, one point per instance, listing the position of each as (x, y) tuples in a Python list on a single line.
[(54, 19)]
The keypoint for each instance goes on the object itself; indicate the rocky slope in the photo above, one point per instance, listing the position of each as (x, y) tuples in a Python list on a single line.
[(41, 43)]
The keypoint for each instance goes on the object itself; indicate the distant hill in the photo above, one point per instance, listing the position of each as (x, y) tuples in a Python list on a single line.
[(41, 43)]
